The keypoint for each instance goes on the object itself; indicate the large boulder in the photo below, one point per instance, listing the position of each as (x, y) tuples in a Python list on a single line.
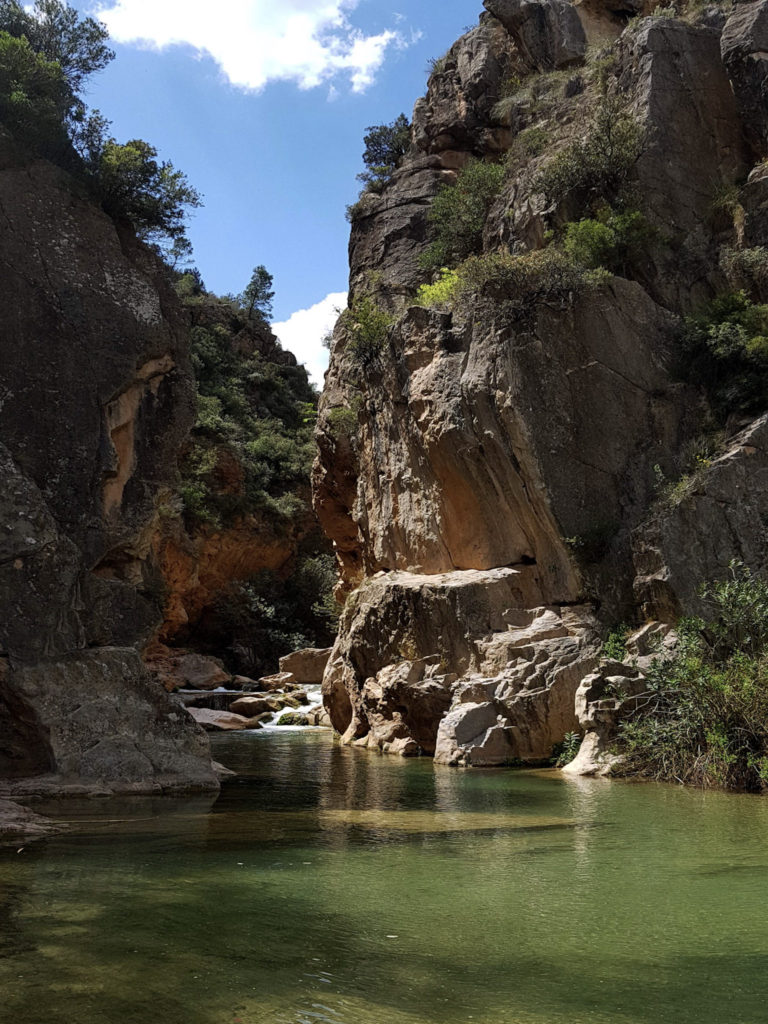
[(197, 672), (415, 651), (219, 721), (307, 665), (101, 719)]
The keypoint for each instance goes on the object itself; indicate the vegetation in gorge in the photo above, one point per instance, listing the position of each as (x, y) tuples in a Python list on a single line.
[(704, 717), (597, 169), (725, 350), (458, 213), (47, 53), (268, 615), (251, 449), (367, 326)]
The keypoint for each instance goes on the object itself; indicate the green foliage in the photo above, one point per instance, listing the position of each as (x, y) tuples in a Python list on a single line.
[(533, 141), (695, 458), (615, 646), (746, 268), (441, 294), (133, 184), (458, 213), (46, 55), (597, 169), (612, 240), (35, 100), (704, 718), (256, 300), (342, 421), (566, 751), (252, 446), (385, 146), (368, 327), (725, 350), (270, 615), (56, 32)]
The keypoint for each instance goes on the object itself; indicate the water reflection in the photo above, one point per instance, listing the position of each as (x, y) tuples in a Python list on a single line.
[(330, 885)]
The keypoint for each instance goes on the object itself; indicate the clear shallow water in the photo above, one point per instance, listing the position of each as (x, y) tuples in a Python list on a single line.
[(330, 885)]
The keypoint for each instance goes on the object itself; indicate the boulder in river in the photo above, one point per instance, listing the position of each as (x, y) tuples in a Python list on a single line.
[(251, 706), (307, 665), (293, 718), (215, 721), (202, 673)]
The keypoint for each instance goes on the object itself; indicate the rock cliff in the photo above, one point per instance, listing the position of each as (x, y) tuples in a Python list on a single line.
[(96, 399), (490, 469)]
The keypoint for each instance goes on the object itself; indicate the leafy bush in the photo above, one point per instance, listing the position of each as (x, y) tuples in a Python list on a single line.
[(597, 169), (566, 751), (368, 327), (385, 147), (442, 293), (615, 646), (704, 718), (725, 350), (269, 615), (458, 213), (517, 282), (746, 268), (611, 240), (342, 422)]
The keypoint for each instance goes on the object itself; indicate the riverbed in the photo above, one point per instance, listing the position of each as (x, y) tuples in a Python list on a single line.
[(327, 884)]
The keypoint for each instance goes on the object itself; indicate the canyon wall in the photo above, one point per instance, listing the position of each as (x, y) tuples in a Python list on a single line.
[(96, 400), (491, 471)]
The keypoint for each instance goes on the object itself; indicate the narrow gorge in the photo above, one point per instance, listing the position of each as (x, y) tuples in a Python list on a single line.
[(523, 525)]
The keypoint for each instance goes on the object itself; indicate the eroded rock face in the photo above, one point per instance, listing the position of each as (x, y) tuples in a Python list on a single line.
[(481, 446), (95, 401), (548, 33), (744, 48), (413, 648), (527, 432), (721, 515)]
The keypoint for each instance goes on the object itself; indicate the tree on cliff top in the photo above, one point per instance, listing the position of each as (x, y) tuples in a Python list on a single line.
[(56, 31), (385, 146)]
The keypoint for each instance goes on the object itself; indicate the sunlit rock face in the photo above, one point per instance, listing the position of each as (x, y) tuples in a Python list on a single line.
[(490, 476), (96, 399)]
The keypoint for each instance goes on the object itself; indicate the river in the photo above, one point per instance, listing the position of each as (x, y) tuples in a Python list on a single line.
[(327, 884)]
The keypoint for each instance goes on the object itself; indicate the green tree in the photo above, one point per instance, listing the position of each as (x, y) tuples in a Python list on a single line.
[(151, 194), (256, 300), (56, 31), (385, 147), (34, 98)]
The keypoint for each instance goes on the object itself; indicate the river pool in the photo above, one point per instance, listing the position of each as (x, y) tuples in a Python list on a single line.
[(331, 885)]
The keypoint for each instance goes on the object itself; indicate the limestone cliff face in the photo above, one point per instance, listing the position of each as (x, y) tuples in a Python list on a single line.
[(95, 400), (522, 436)]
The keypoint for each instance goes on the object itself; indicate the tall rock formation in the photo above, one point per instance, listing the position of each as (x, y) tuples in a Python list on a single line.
[(490, 471), (96, 398)]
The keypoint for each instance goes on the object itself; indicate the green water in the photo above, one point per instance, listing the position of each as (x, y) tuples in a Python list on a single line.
[(331, 885)]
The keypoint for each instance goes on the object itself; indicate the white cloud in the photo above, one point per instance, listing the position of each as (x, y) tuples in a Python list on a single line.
[(259, 41), (302, 333)]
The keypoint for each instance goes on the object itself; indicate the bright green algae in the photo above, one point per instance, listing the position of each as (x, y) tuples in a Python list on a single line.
[(330, 885)]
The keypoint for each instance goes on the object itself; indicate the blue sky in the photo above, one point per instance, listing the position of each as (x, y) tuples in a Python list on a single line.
[(268, 125)]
